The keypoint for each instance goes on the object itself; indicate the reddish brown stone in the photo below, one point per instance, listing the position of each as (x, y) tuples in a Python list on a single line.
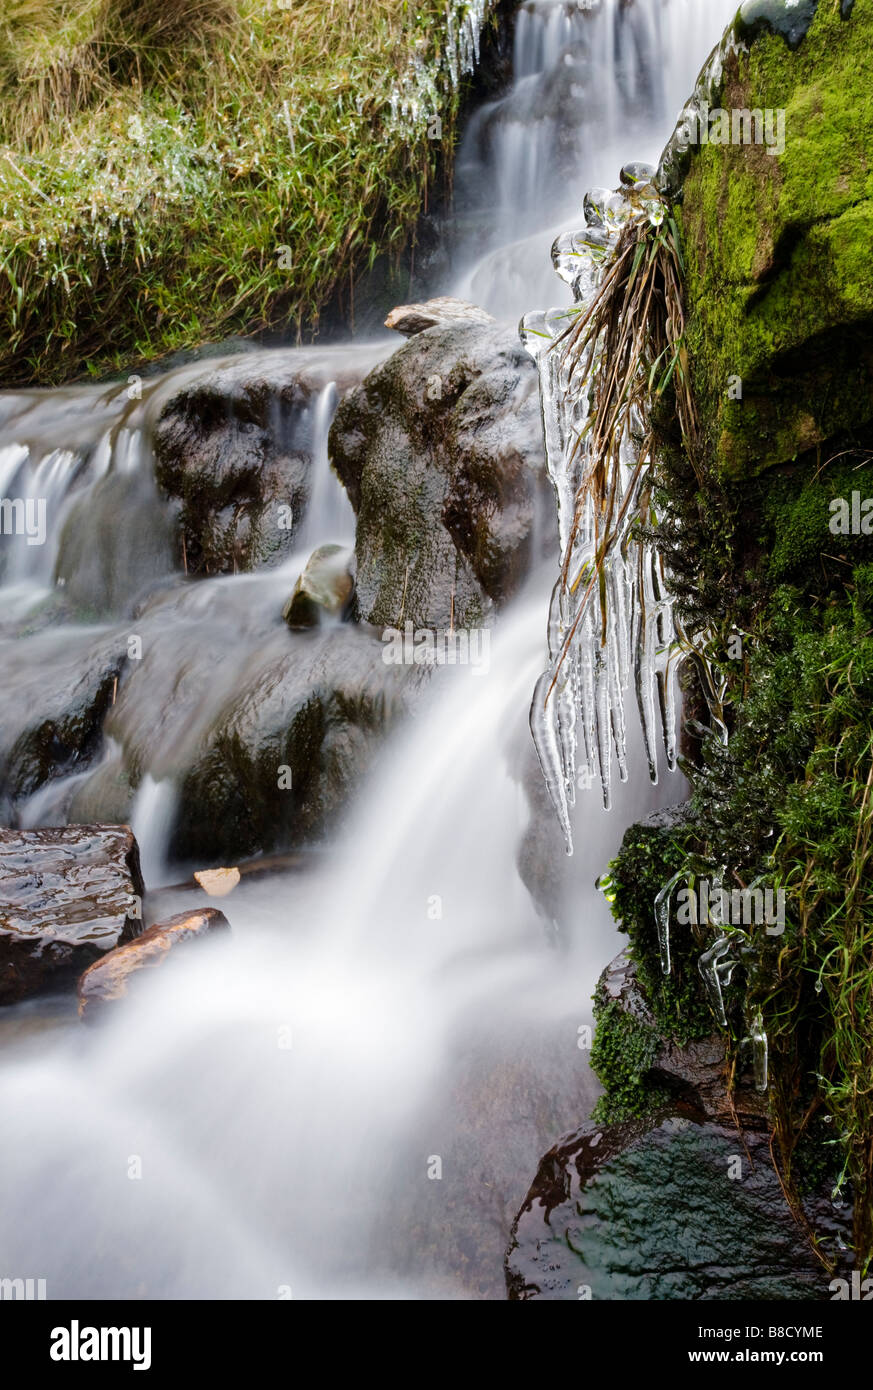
[(109, 979)]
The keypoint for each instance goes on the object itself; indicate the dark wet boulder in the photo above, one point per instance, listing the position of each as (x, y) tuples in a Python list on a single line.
[(235, 449), (681, 1201), (441, 452), (281, 760), (67, 896), (670, 1206), (109, 980), (325, 588), (58, 686), (223, 698)]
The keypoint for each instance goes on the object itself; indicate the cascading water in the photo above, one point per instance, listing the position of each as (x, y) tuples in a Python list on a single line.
[(595, 83), (347, 1096)]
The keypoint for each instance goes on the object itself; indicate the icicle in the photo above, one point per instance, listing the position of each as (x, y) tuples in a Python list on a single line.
[(550, 752), (662, 919), (758, 1039), (591, 668), (716, 971)]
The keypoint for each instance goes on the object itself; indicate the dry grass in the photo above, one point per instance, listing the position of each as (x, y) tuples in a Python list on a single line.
[(155, 154), (623, 351)]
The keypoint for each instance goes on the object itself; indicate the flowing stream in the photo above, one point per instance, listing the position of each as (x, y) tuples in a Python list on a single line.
[(348, 1096)]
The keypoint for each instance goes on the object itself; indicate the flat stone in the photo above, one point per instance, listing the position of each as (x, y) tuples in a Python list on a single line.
[(107, 981), (67, 896)]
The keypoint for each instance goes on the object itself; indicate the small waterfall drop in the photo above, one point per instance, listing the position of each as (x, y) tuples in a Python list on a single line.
[(289, 1088)]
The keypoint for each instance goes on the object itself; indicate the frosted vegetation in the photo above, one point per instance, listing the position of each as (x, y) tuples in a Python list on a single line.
[(611, 619)]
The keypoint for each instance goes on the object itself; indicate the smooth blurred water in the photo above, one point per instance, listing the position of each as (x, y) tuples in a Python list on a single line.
[(348, 1096)]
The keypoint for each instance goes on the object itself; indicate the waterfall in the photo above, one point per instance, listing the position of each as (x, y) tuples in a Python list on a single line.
[(346, 1096)]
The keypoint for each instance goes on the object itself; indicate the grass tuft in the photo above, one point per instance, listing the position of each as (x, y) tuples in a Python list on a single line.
[(157, 155)]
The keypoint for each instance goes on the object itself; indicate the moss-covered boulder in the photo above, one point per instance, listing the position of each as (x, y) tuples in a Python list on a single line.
[(440, 450), (778, 231)]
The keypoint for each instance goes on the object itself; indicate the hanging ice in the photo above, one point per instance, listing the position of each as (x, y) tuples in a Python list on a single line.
[(716, 968), (608, 629), (757, 1039), (662, 919)]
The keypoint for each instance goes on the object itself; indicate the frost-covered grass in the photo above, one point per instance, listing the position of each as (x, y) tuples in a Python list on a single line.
[(156, 155)]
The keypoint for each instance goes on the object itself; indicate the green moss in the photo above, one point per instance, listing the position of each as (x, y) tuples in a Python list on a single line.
[(622, 1055), (778, 248), (649, 856)]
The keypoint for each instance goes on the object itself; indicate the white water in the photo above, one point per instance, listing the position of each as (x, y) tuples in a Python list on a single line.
[(426, 1014), (597, 83)]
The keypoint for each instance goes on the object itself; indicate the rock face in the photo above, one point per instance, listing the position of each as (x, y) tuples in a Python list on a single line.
[(109, 980), (326, 586), (440, 450), (279, 764), (778, 231), (58, 687), (674, 1206), (235, 448), (694, 1072), (66, 897)]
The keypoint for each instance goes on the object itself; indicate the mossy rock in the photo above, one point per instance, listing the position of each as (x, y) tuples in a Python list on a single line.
[(778, 242), (441, 452)]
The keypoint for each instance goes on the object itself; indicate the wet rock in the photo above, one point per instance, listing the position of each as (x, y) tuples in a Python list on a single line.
[(410, 319), (279, 764), (673, 1206), (326, 586), (109, 980), (695, 1072), (217, 883), (441, 452), (235, 448), (58, 686), (67, 896), (224, 697)]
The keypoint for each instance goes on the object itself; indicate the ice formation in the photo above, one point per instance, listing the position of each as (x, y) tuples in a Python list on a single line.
[(578, 706)]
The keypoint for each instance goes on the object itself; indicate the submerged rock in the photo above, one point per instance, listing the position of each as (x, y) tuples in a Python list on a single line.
[(326, 586), (279, 765), (109, 980), (441, 452), (255, 735), (67, 896), (58, 687)]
